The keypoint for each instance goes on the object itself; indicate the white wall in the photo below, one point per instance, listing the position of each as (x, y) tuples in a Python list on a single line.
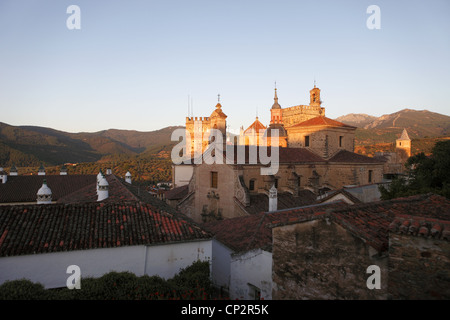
[(50, 268), (221, 260), (254, 268)]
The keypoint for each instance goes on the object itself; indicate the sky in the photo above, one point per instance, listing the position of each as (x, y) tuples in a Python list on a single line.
[(146, 65)]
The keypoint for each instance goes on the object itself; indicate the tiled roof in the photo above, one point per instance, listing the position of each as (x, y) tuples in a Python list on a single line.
[(144, 196), (286, 155), (426, 215), (25, 188), (373, 221), (344, 192), (404, 135), (30, 229), (116, 192), (285, 200), (177, 193), (254, 231), (322, 121), (351, 157), (256, 126)]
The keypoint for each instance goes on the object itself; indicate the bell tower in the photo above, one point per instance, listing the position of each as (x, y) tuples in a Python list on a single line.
[(314, 97)]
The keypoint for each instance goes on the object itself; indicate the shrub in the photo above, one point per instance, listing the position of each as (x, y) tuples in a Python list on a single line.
[(191, 283), (23, 289)]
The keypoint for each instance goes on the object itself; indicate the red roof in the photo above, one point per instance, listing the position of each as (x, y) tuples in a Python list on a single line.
[(254, 231), (29, 229), (256, 126), (286, 155), (345, 156), (116, 192), (322, 121), (426, 215)]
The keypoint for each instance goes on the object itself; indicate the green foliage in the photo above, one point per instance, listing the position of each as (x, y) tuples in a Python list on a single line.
[(192, 282), (22, 290), (426, 174)]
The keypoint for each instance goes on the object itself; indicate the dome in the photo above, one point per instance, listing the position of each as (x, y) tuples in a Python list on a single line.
[(281, 130)]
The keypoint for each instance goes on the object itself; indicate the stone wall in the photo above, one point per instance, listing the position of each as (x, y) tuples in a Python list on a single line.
[(319, 259), (419, 268), (323, 141), (297, 114)]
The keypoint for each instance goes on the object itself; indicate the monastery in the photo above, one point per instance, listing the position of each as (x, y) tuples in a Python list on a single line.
[(316, 155)]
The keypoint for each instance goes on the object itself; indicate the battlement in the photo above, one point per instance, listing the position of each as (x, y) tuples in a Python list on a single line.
[(192, 119)]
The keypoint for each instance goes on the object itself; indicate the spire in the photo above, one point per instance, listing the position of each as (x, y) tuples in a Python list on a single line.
[(276, 105), (404, 135)]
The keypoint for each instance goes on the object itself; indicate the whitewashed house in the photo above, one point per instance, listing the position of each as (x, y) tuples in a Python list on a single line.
[(39, 242)]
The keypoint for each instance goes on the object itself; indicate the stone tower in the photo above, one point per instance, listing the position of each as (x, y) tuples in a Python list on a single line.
[(403, 146)]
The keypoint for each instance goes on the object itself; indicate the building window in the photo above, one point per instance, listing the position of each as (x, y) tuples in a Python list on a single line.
[(251, 186), (306, 141), (214, 178), (370, 175), (276, 183), (340, 141), (298, 181)]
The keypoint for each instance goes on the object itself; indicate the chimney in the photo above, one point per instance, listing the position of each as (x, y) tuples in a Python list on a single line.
[(41, 171), (103, 192), (63, 171), (128, 177), (3, 175), (44, 194), (273, 199), (13, 170), (99, 177)]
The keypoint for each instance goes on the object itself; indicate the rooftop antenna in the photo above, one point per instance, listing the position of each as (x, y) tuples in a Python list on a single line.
[(218, 98)]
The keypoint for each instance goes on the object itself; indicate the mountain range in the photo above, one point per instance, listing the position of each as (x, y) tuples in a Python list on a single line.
[(387, 128), (30, 145)]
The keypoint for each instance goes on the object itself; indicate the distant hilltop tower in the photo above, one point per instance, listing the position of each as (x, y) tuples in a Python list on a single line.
[(403, 145)]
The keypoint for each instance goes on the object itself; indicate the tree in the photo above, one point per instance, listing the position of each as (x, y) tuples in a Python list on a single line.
[(426, 174)]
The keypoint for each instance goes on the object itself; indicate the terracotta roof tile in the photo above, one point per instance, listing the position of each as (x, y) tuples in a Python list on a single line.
[(256, 126), (254, 231), (29, 229), (286, 155), (422, 215), (322, 121), (345, 156)]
